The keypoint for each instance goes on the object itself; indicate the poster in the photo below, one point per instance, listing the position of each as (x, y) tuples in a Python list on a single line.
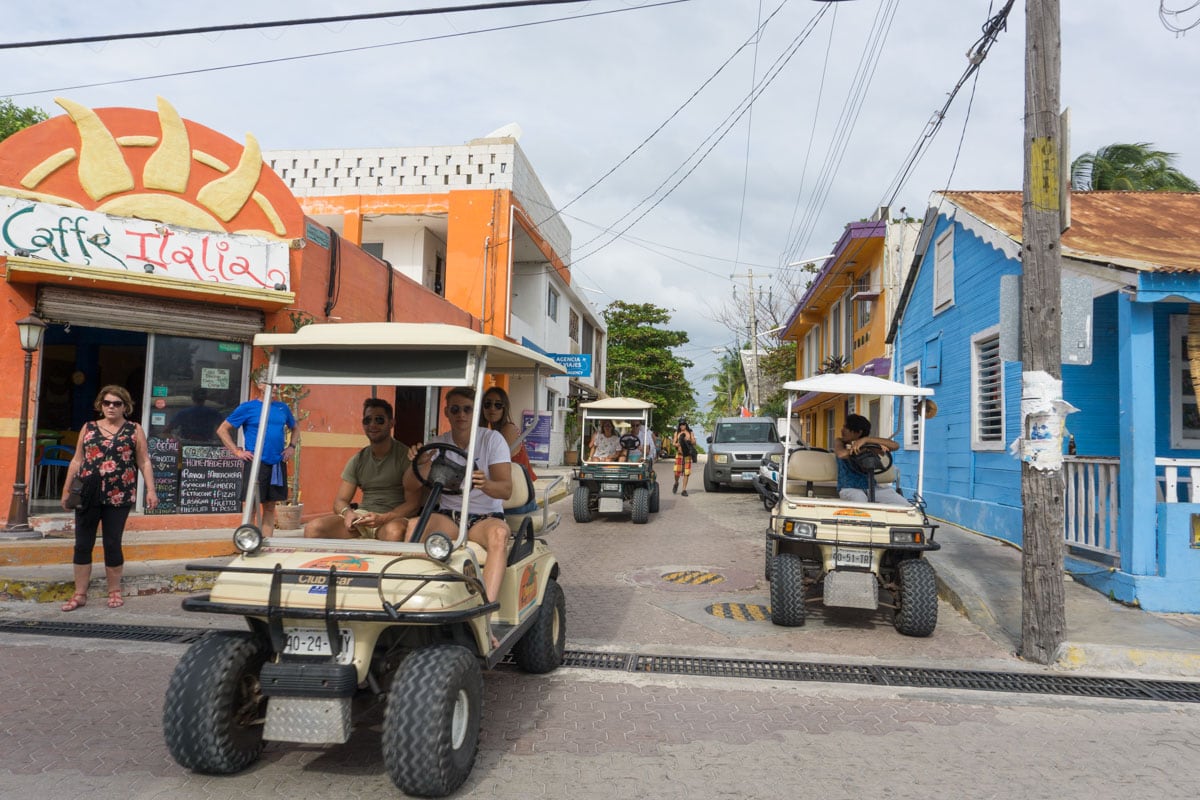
[(538, 440)]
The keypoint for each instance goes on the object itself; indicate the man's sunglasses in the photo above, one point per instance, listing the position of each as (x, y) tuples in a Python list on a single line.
[(375, 420), (460, 409), (493, 404)]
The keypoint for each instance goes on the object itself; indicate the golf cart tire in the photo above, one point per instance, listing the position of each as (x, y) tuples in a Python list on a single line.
[(431, 723), (640, 507), (213, 712), (654, 498), (581, 504), (769, 561), (918, 601), (787, 590), (541, 649)]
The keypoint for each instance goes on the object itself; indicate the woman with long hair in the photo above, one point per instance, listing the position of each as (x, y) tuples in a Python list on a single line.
[(606, 443), (495, 415), (111, 452), (685, 448)]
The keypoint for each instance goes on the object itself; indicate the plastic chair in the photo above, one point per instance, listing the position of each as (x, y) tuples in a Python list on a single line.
[(50, 468)]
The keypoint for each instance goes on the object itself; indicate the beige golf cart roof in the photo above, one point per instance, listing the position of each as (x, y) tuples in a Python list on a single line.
[(617, 404), (395, 354)]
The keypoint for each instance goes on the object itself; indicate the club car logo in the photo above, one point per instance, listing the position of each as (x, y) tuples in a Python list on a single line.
[(343, 564), (851, 512), (528, 592)]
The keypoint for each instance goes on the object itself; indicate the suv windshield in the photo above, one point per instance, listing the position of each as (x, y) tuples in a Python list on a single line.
[(746, 432)]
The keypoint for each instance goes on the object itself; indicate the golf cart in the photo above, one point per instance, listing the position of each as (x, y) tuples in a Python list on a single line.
[(609, 487), (335, 621), (821, 548)]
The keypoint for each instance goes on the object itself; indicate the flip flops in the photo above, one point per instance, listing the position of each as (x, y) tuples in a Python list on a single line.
[(77, 600)]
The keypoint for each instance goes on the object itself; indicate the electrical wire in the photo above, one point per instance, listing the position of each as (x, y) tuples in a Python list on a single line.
[(342, 51), (1168, 17)]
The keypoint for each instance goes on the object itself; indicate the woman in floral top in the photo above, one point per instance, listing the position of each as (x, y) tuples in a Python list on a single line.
[(108, 456)]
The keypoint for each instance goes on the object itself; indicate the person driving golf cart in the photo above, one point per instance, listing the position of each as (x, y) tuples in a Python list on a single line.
[(856, 442)]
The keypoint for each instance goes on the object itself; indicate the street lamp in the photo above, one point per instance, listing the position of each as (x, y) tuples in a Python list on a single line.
[(29, 330)]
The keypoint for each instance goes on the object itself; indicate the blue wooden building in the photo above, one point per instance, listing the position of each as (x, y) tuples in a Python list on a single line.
[(1131, 274)]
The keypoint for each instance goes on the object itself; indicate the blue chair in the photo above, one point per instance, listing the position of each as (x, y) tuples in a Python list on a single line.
[(50, 468)]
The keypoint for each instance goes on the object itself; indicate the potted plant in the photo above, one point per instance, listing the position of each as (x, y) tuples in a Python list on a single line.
[(571, 438)]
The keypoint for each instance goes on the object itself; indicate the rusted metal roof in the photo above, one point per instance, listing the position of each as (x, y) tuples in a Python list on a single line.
[(1149, 231)]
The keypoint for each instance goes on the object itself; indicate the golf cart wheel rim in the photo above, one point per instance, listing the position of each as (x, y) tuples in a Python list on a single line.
[(458, 719)]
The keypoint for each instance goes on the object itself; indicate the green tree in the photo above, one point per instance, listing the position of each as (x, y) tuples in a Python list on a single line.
[(1131, 167), (728, 385), (14, 118), (778, 366), (640, 361)]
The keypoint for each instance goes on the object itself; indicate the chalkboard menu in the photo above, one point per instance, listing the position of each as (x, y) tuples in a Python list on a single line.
[(210, 481), (164, 459)]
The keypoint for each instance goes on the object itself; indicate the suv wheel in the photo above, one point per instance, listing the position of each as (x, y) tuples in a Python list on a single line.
[(917, 601), (431, 724), (787, 590), (212, 717), (709, 485), (641, 505), (581, 504), (541, 648)]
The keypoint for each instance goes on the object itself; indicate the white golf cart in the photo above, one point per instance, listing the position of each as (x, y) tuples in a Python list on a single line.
[(821, 548), (335, 620), (611, 487)]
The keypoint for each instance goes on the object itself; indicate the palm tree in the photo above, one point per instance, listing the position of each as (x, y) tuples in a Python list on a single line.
[(1130, 167), (729, 385)]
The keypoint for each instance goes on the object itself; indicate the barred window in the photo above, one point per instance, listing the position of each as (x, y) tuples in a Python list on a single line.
[(912, 422), (987, 391)]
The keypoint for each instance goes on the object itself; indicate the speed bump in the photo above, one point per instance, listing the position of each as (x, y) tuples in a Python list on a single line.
[(693, 577), (742, 612)]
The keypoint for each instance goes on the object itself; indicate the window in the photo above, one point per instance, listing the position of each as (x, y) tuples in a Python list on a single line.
[(847, 324), (1185, 414), (552, 304), (943, 270), (831, 431), (835, 330), (573, 326), (862, 306), (987, 391), (912, 422)]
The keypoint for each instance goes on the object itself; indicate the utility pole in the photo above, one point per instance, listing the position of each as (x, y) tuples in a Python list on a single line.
[(1043, 615), (752, 379)]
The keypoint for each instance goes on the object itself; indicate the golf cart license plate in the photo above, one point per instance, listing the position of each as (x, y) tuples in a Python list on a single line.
[(315, 642), (852, 557)]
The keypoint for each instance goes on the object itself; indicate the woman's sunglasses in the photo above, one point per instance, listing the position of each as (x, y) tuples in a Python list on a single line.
[(112, 403), (493, 404)]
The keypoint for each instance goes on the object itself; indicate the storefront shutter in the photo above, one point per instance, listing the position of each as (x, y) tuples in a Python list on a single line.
[(150, 314)]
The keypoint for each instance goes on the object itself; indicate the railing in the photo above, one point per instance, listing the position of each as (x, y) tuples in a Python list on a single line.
[(1092, 504), (1179, 481)]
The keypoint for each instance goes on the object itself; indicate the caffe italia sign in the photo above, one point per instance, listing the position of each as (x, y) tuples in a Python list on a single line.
[(93, 239)]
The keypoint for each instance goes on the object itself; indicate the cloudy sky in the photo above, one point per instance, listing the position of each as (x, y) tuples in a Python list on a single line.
[(842, 94)]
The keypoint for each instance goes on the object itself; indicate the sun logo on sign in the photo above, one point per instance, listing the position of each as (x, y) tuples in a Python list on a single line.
[(135, 163)]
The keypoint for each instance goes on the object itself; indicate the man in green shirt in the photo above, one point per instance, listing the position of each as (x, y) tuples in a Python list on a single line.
[(382, 471)]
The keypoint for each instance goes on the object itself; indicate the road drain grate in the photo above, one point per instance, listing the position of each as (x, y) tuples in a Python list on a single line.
[(915, 677), (97, 630)]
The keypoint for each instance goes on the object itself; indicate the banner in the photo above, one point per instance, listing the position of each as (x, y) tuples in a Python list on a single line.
[(537, 443)]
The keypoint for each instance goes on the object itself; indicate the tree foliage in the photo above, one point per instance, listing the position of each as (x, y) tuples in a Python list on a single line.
[(14, 118), (640, 361), (728, 386), (1129, 167), (778, 366)]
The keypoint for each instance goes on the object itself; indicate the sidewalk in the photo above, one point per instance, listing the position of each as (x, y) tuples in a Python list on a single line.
[(981, 577)]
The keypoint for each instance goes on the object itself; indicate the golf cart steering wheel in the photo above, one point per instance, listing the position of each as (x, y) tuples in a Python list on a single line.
[(630, 442), (871, 459), (440, 469)]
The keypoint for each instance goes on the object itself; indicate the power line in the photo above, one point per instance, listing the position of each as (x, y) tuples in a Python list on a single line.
[(284, 23), (321, 54)]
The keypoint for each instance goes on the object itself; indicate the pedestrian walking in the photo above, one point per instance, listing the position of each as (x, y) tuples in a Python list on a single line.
[(684, 442), (109, 454)]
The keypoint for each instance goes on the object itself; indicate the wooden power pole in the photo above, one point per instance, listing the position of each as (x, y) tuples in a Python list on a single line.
[(1043, 617)]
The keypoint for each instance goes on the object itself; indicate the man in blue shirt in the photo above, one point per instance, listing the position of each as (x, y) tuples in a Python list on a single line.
[(272, 475), (852, 484)]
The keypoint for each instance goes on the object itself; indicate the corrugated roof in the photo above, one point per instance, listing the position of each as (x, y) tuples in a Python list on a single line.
[(1153, 231)]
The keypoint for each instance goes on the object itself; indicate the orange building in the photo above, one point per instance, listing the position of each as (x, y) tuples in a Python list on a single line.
[(841, 323), (155, 248)]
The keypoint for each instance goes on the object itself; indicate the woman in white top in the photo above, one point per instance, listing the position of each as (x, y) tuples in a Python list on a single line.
[(606, 444)]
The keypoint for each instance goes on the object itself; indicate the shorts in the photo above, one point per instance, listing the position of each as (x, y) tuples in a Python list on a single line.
[(365, 531), (471, 518), (683, 464), (266, 492)]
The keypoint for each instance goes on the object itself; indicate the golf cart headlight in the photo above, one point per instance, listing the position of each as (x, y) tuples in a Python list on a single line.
[(907, 536), (438, 546), (721, 458), (804, 530), (247, 539)]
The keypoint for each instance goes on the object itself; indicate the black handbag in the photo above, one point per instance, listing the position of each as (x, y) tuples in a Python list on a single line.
[(74, 493)]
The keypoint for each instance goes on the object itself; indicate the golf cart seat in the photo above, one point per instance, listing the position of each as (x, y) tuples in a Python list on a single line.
[(523, 502), (812, 473)]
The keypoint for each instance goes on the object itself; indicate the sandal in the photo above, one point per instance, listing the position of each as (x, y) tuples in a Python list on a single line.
[(77, 601), (114, 599)]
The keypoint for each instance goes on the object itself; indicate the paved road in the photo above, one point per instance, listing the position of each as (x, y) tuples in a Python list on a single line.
[(83, 715)]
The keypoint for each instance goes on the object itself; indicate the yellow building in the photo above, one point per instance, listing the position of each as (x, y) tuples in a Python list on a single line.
[(841, 323)]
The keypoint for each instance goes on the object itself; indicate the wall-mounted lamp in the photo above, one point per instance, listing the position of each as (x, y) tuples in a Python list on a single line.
[(29, 333)]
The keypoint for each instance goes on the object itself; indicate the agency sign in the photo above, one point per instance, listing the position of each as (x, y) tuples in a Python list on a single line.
[(578, 365)]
